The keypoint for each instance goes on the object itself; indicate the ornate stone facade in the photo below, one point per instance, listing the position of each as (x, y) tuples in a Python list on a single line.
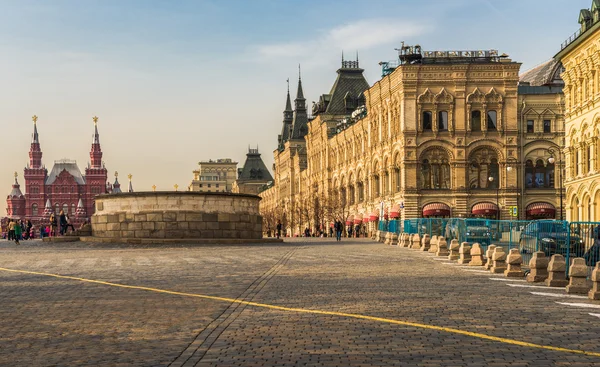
[(580, 56), (214, 176), (440, 134), (65, 188)]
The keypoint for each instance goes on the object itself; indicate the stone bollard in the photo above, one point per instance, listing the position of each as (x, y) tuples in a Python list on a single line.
[(382, 236), (387, 238), (513, 267), (556, 272), (416, 241), (476, 255), (425, 242), (394, 239), (454, 247), (488, 255), (406, 240), (433, 244), (442, 247), (499, 260), (578, 277), (465, 253), (594, 293), (401, 240), (538, 267)]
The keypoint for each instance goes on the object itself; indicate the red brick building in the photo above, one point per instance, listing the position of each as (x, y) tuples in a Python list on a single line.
[(65, 188)]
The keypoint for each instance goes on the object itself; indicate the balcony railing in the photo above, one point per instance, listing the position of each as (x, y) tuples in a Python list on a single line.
[(570, 40)]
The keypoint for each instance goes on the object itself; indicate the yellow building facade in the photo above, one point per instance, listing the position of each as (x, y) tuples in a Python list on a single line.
[(441, 134), (580, 56)]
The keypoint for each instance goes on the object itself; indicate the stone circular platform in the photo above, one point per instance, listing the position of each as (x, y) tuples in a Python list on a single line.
[(167, 216)]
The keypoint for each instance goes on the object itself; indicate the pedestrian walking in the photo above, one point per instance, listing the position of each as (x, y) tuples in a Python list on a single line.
[(11, 230), (339, 227), (53, 224), (278, 229), (62, 222), (69, 224), (18, 232)]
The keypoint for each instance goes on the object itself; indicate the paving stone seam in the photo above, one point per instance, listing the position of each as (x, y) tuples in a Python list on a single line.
[(198, 348)]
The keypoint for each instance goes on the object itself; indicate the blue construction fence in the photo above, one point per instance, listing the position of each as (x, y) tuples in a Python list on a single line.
[(570, 239)]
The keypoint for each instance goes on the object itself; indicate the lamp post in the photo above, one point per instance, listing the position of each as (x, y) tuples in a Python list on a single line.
[(551, 160), (512, 161), (491, 179)]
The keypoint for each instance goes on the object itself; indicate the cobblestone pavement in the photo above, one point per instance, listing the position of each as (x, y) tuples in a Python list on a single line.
[(48, 321)]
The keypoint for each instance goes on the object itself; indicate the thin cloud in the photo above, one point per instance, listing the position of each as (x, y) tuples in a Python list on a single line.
[(361, 35)]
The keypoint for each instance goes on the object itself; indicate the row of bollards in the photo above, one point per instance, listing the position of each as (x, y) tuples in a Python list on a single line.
[(551, 271)]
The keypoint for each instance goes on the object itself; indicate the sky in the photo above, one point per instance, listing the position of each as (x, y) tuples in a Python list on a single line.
[(177, 82)]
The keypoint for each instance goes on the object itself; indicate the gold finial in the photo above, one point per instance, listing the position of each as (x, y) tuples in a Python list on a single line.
[(16, 174), (95, 120), (176, 187), (116, 174), (34, 118), (129, 176), (153, 187)]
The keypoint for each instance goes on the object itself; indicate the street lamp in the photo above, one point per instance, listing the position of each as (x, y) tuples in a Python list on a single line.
[(551, 160), (491, 179), (512, 161)]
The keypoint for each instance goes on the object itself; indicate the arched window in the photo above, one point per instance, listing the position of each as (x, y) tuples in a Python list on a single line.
[(427, 120), (361, 192), (529, 174), (73, 208), (491, 120), (483, 165), (386, 182), (57, 209), (34, 210), (397, 179), (434, 170), (65, 208), (540, 174), (351, 189), (443, 120), (376, 190), (476, 120)]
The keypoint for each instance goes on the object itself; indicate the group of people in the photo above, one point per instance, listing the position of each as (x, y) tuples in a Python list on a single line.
[(19, 230), (337, 228), (63, 223)]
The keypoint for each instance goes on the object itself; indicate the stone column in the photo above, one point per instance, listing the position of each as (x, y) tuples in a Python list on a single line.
[(578, 277), (499, 260), (594, 293), (416, 241), (454, 247), (556, 272), (514, 261), (442, 247), (433, 244), (476, 255), (488, 255), (425, 242), (538, 267), (465, 253)]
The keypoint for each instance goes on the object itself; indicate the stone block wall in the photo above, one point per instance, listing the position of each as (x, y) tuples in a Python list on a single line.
[(175, 215)]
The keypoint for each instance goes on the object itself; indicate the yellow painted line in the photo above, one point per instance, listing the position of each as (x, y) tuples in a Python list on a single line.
[(318, 312)]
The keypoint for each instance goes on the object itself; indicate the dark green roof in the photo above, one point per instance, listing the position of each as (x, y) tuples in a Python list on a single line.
[(254, 168)]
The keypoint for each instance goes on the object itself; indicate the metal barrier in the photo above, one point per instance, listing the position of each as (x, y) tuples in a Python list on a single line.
[(584, 242)]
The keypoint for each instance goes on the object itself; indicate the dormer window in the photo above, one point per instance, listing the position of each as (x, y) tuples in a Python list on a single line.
[(427, 120)]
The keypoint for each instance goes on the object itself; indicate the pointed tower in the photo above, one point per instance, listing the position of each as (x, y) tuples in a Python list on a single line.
[(80, 211), (116, 188), (96, 174), (15, 202), (130, 189), (300, 120), (35, 175), (48, 209), (288, 118)]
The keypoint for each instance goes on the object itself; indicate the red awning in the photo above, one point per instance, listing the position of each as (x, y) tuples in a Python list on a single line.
[(395, 211), (374, 216), (350, 220), (541, 209), (365, 218), (436, 209), (358, 219), (484, 209)]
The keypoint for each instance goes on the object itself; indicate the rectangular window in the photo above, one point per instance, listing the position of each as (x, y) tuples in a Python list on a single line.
[(443, 120), (217, 185), (200, 185), (530, 126), (547, 128), (491, 120), (209, 185), (427, 120), (476, 120)]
